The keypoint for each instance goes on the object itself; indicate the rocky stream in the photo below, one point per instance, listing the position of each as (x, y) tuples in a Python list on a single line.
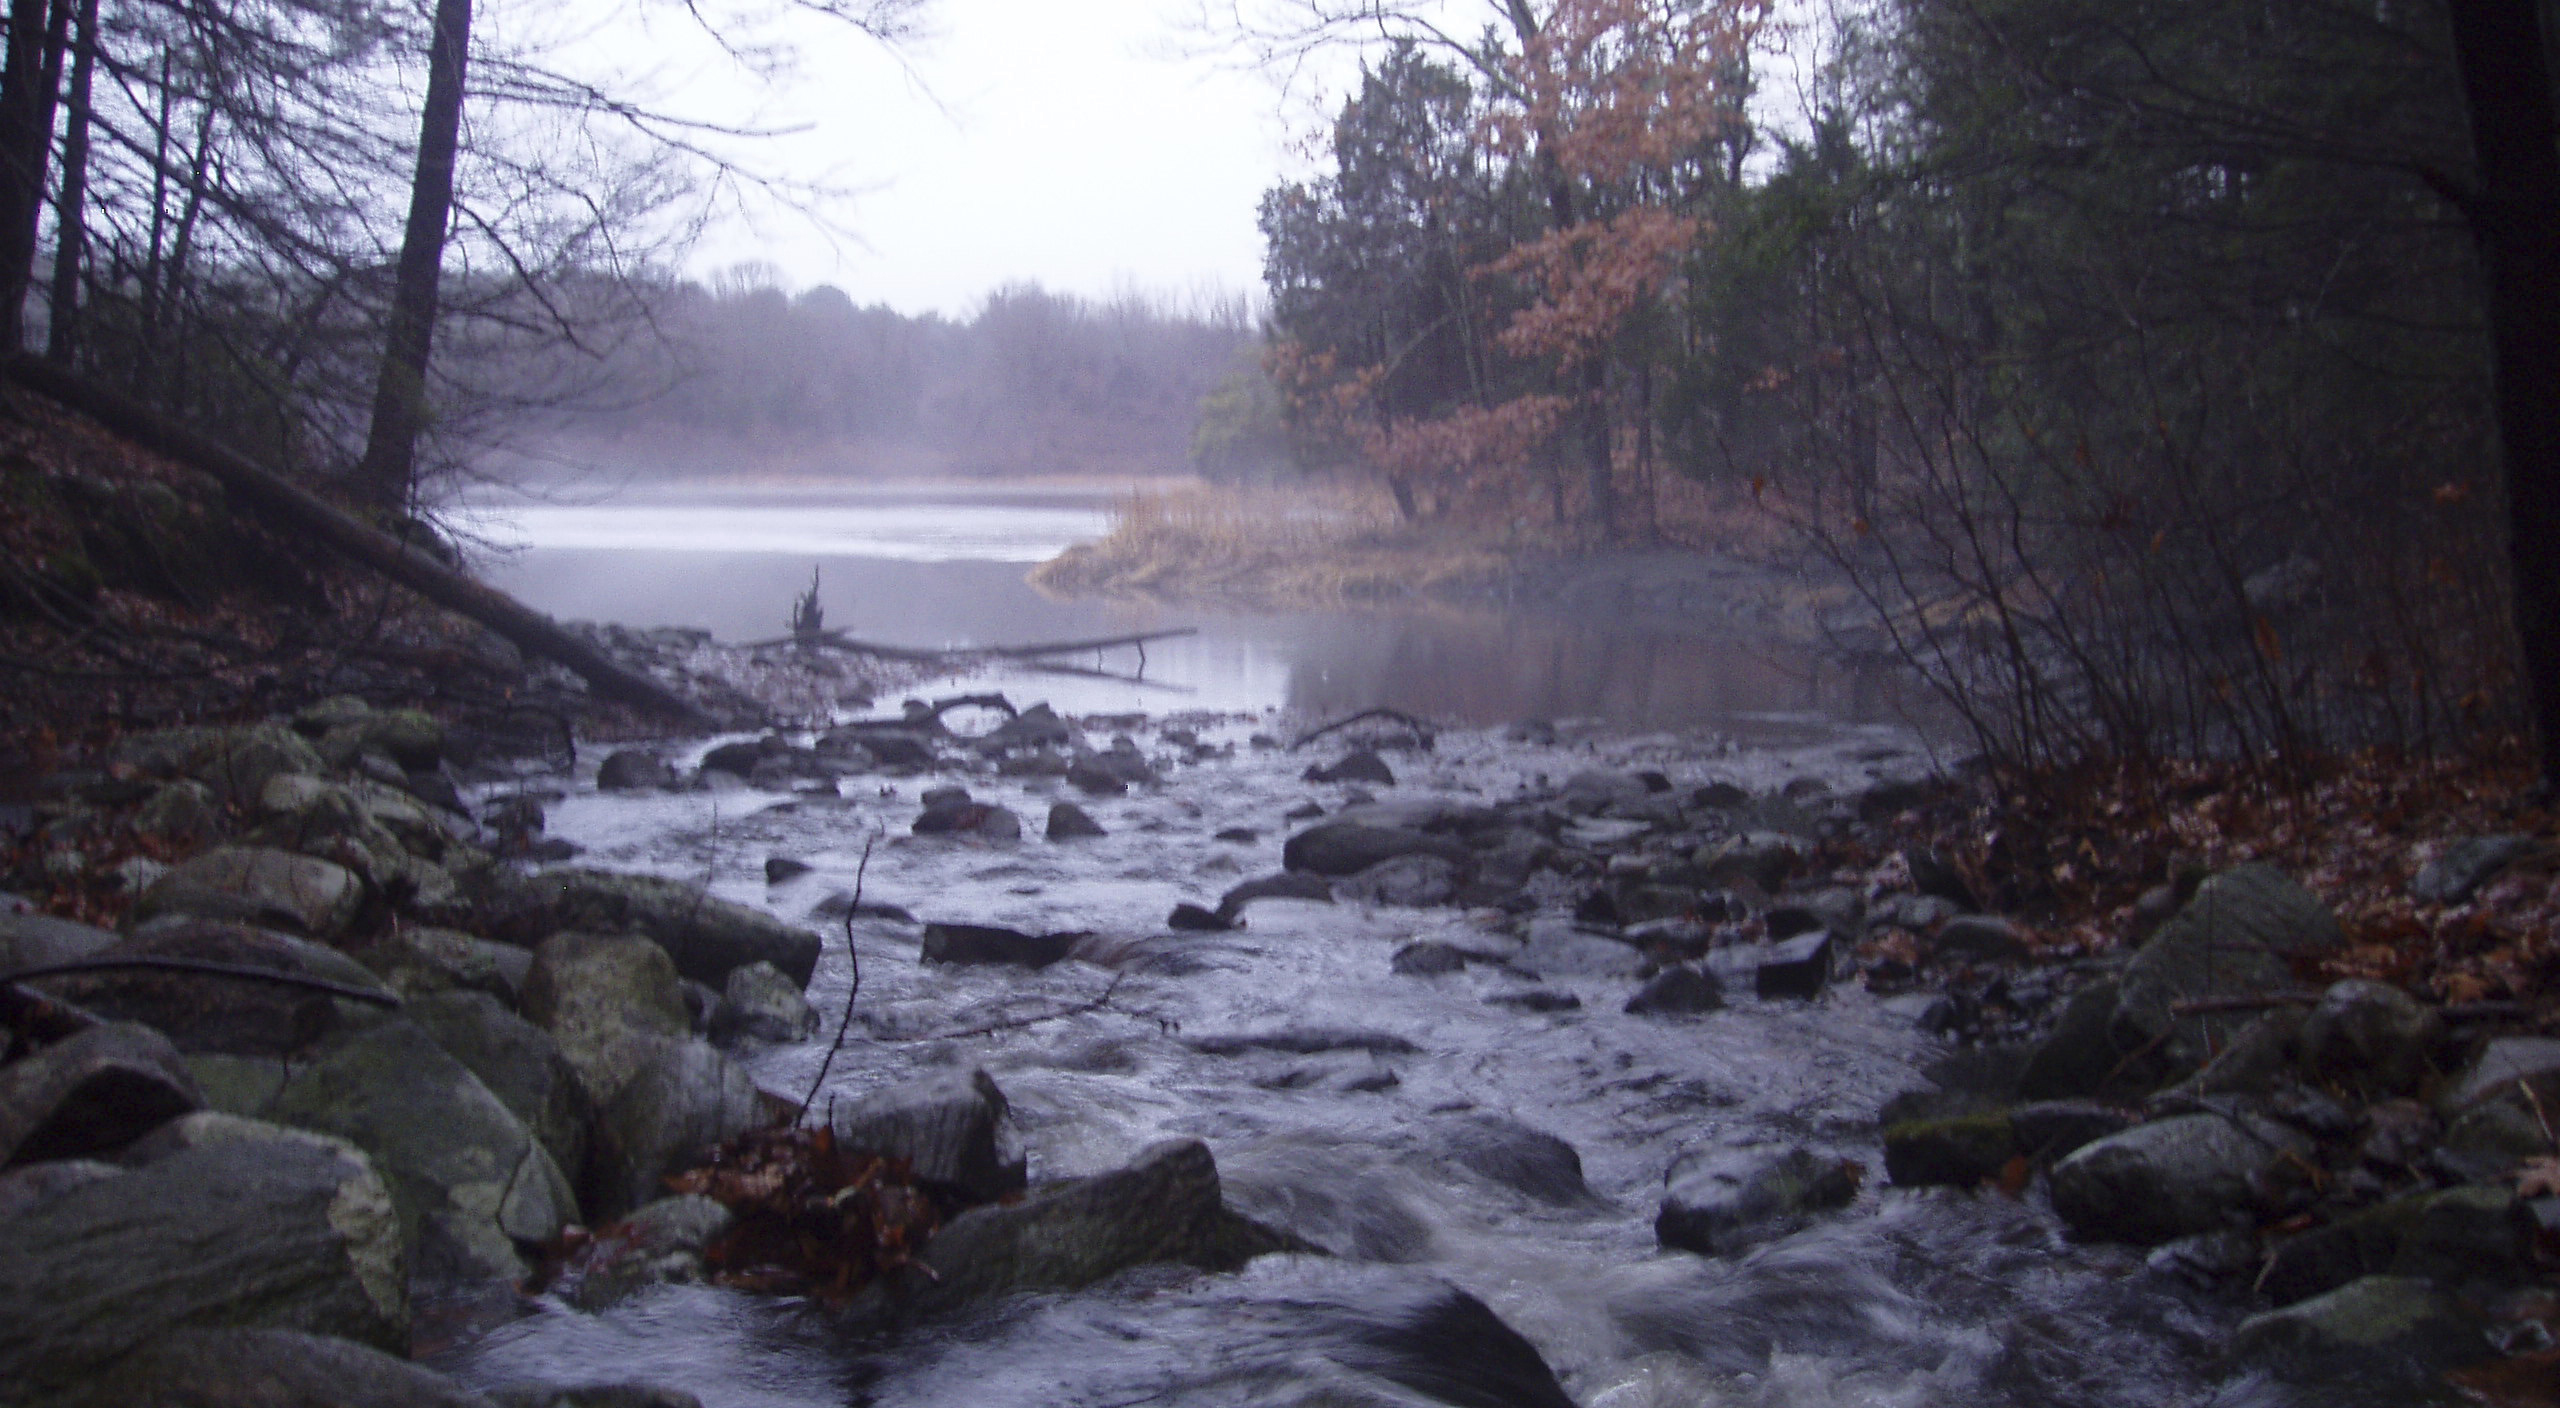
[(1517, 1067)]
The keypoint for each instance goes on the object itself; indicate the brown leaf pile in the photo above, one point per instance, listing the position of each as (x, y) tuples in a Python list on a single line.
[(813, 1219)]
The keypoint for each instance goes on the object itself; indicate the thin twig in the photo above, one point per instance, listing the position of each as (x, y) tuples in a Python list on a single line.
[(853, 958)]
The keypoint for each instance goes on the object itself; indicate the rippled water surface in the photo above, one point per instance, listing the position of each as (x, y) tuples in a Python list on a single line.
[(1902, 1299)]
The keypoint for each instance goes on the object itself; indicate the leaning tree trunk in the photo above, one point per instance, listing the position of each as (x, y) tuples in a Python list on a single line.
[(385, 477), (71, 227), (2515, 218), (26, 139)]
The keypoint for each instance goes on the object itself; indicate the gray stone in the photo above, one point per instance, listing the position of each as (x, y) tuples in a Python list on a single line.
[(2265, 1052), (93, 1093), (1720, 1201), (258, 886), (959, 816), (682, 1098), (266, 1368), (706, 936), (1088, 775), (2170, 1178), (1429, 959), (2500, 1065), (633, 770), (235, 762), (469, 1180), (519, 1063), (2083, 1056), (660, 1243), (1069, 822), (414, 960), (1798, 968), (182, 812), (2452, 1237), (2047, 1130), (2380, 1321), (1284, 886), (1959, 1151), (1361, 765), (2370, 1037), (282, 1232), (954, 1129), (603, 997), (35, 940), (24, 1187), (1505, 1152), (2463, 866), (1981, 938), (1679, 990), (2234, 939), (987, 943), (1349, 847), (1191, 918), (759, 1004), (1412, 880), (1558, 947), (204, 1014)]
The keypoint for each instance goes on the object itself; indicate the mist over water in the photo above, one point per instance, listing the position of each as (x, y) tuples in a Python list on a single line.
[(943, 566)]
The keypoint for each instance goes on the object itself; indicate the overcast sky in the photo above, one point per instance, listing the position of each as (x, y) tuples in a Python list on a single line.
[(1069, 142)]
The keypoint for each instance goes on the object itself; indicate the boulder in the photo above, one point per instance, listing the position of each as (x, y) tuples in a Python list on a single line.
[(681, 1099), (411, 738), (36, 940), (2263, 1054), (1086, 774), (1979, 938), (2235, 938), (634, 770), (1361, 765), (953, 1128), (283, 1231), (182, 813), (1719, 1201), (256, 885), (202, 1014), (759, 1004), (960, 816), (1411, 880), (1349, 847), (1429, 959), (92, 1094), (519, 1063), (244, 1367), (2463, 866), (707, 937), (2083, 1056), (1961, 1151), (1558, 947), (782, 870), (661, 1242), (468, 1179), (1191, 918), (2370, 1037), (2171, 1177), (415, 960), (1069, 822), (986, 943), (235, 762), (2047, 1130), (1284, 886), (2391, 1323), (602, 997), (1931, 875), (2501, 1065), (1797, 968), (2453, 1237), (1679, 990), (1036, 727), (1509, 1154), (1164, 1207)]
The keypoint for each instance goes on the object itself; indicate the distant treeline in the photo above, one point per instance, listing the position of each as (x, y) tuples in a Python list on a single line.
[(744, 377)]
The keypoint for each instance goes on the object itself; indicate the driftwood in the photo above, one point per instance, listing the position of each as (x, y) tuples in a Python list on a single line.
[(1420, 726), (293, 508), (1086, 672), (198, 967), (840, 640), (1064, 647)]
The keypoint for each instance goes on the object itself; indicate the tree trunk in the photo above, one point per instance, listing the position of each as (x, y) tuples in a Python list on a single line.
[(71, 228), (385, 477), (26, 139), (2515, 218)]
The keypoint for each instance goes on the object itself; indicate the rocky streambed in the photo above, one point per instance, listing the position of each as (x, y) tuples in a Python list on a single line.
[(1179, 1065)]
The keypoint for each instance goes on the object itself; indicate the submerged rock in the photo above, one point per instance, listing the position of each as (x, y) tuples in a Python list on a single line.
[(1069, 822), (1720, 1201), (633, 770), (1349, 847), (988, 943), (1679, 990)]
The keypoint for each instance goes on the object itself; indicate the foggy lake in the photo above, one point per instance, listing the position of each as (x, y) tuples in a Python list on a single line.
[(944, 565)]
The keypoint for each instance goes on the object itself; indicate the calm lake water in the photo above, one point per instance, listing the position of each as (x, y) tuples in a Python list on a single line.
[(944, 566)]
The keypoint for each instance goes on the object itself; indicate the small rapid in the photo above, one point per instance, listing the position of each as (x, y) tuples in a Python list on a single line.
[(1408, 1125)]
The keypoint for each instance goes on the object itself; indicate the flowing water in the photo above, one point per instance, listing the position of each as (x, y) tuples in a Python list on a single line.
[(1372, 1149)]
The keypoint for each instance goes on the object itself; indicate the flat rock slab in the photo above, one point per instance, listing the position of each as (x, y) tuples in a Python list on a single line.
[(954, 1128), (256, 885), (705, 936), (202, 1013), (2169, 1178)]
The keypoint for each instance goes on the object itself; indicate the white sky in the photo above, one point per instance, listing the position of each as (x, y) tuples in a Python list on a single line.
[(1070, 142)]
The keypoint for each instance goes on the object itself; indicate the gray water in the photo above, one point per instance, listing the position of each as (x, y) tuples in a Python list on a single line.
[(1904, 1298)]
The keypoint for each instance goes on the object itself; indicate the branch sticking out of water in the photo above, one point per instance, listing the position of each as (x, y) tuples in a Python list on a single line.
[(853, 987)]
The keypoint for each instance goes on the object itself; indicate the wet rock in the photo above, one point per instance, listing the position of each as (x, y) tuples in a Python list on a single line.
[(1915, 912), (1558, 947), (1960, 1151), (519, 1063), (954, 1129), (987, 943), (781, 870), (1191, 918), (1932, 875), (660, 1243), (2207, 1259), (705, 936), (1679, 990), (2462, 867), (2370, 1037), (1362, 765), (1720, 1201), (1036, 727), (1505, 1152), (1410, 880), (1338, 848), (467, 1178), (1285, 886), (759, 1004), (962, 817), (1164, 1207), (2235, 938), (2453, 1237), (235, 762), (2082, 1055), (2170, 1178), (2501, 1065), (36, 940), (411, 738), (92, 1094), (634, 770), (2047, 1130), (1536, 1000), (602, 997), (184, 812), (199, 1014), (1304, 811), (1069, 822), (416, 960), (2386, 1322), (2263, 1053), (681, 1099), (1930, 1012), (1238, 836), (268, 1368), (1761, 858), (1429, 959), (1086, 774), (1979, 938), (287, 1231), (1306, 1041), (258, 886), (1798, 968)]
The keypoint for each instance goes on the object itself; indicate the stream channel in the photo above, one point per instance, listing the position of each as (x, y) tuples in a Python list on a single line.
[(1375, 1149)]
